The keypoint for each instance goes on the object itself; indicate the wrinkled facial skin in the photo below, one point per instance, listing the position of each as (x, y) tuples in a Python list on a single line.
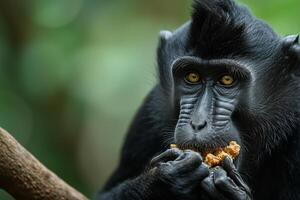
[(206, 107)]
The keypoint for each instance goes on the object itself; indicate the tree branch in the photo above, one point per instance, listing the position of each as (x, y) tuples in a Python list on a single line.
[(25, 178)]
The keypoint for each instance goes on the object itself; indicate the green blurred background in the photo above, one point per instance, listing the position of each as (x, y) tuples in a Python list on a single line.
[(73, 73)]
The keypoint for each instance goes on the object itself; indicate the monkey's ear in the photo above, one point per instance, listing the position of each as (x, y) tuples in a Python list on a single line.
[(164, 35), (291, 46)]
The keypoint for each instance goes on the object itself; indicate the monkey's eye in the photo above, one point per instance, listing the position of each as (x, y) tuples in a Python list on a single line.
[(192, 77), (226, 81)]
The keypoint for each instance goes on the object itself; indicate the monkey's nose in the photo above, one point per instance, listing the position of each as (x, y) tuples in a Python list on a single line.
[(197, 126)]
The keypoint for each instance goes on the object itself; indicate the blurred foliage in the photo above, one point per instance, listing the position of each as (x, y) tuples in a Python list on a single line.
[(73, 72)]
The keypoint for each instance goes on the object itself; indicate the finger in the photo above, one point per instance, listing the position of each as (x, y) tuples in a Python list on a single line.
[(188, 161), (227, 185), (209, 187), (230, 168), (188, 152), (233, 173), (202, 172), (169, 155)]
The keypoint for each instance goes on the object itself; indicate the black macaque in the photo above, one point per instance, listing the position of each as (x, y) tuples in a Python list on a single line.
[(223, 76)]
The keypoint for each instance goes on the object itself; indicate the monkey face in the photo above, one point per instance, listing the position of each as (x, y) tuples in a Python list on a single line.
[(207, 94)]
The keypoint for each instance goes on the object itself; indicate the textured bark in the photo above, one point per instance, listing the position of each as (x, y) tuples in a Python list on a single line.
[(25, 178)]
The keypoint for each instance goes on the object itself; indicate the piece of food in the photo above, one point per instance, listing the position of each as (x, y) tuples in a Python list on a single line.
[(216, 157)]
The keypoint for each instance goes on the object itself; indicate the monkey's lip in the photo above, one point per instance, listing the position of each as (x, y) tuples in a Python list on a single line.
[(201, 150)]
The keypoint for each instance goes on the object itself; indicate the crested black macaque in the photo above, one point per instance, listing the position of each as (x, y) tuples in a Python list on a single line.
[(223, 76)]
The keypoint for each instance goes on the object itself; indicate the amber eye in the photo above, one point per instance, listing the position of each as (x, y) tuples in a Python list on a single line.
[(226, 80), (192, 78)]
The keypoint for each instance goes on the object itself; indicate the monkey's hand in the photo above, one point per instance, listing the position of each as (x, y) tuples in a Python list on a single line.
[(173, 175), (179, 172), (225, 183)]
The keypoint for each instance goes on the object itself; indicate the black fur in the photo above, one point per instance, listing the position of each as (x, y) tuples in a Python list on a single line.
[(267, 116)]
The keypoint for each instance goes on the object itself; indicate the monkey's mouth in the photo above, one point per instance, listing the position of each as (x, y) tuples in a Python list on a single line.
[(215, 156), (203, 150)]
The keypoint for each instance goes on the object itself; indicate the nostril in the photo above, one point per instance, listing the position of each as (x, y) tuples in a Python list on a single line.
[(198, 126), (202, 126)]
